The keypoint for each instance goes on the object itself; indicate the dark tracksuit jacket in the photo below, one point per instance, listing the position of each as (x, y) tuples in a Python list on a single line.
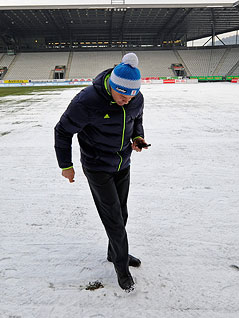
[(104, 129)]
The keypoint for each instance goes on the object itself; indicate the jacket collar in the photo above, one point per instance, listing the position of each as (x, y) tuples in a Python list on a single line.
[(101, 84)]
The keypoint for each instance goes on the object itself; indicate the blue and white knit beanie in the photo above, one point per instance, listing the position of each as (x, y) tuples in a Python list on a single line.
[(125, 77)]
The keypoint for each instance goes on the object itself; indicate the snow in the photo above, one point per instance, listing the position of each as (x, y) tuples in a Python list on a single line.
[(183, 212)]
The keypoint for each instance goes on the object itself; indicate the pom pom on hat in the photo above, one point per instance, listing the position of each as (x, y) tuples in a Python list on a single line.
[(130, 59), (125, 77)]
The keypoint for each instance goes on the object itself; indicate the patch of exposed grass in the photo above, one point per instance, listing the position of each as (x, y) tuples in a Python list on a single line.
[(94, 285), (7, 91), (5, 133)]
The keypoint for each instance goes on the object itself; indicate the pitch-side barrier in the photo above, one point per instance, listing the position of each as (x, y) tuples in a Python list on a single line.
[(88, 81), (152, 80), (59, 82)]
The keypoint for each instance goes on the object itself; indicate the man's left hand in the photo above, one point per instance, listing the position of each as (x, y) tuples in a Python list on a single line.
[(137, 142)]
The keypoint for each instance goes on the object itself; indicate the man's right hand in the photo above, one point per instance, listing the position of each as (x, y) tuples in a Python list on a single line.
[(69, 174)]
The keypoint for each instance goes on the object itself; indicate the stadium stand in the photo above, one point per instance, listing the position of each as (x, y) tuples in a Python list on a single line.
[(231, 59), (35, 65), (91, 63), (236, 71), (202, 62), (6, 60), (156, 63), (197, 62), (152, 63)]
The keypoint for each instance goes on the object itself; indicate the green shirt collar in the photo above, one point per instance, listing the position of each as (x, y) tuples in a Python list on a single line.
[(107, 86)]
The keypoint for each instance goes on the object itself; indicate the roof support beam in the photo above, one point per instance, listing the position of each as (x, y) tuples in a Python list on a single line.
[(122, 27), (207, 41), (179, 23), (213, 27), (56, 25), (111, 26), (161, 30), (6, 34), (67, 30), (5, 23), (220, 40)]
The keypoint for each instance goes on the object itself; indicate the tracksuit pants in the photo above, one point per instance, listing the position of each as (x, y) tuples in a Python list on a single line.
[(110, 193)]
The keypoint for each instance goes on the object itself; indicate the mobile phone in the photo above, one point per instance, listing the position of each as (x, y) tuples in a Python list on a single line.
[(140, 146)]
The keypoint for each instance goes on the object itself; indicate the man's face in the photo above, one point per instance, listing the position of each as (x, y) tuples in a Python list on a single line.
[(120, 99)]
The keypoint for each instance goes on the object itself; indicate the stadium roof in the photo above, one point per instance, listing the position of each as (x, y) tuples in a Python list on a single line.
[(145, 24), (17, 3), (76, 4)]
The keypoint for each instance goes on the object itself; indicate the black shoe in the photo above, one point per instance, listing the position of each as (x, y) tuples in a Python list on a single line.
[(133, 261), (125, 281)]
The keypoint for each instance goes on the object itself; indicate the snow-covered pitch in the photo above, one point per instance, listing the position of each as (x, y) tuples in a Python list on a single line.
[(183, 212)]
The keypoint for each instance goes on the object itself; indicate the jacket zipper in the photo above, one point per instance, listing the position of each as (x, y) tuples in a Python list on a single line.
[(122, 141)]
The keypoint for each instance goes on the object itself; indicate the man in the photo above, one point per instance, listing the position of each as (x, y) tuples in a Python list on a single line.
[(107, 116)]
